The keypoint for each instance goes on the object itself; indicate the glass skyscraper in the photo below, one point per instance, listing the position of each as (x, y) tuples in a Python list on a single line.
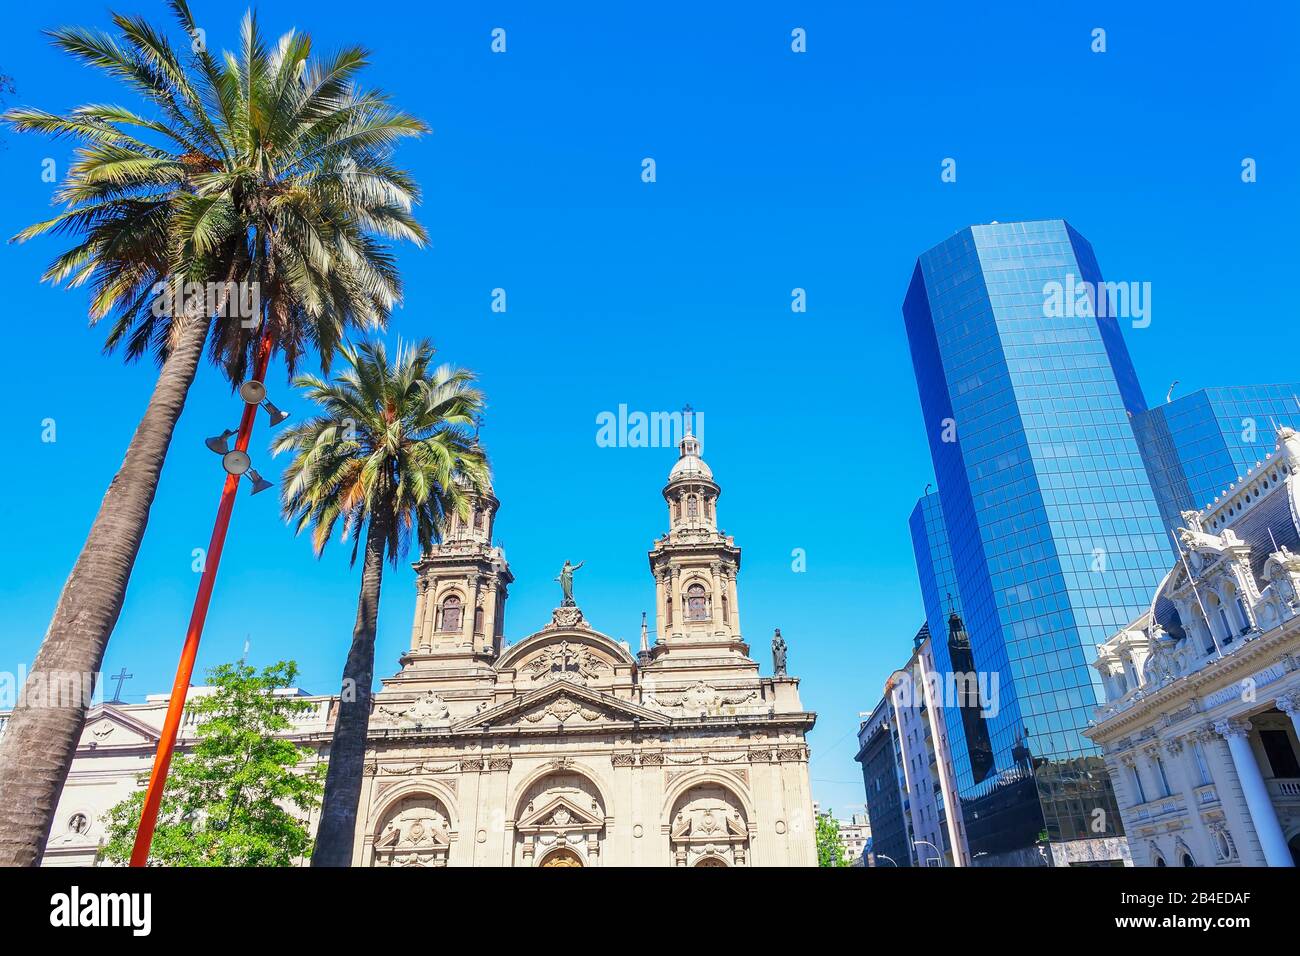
[(934, 563), (1198, 444), (1054, 539)]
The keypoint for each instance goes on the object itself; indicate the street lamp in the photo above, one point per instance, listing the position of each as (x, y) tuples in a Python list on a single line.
[(937, 852), (881, 856), (236, 462)]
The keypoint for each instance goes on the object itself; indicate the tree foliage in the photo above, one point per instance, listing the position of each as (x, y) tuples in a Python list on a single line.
[(398, 435), (240, 796), (830, 852), (266, 166)]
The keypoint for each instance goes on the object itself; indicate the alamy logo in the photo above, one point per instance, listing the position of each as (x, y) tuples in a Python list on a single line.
[(226, 300), (976, 690), (1079, 298), (49, 688), (74, 909), (647, 429)]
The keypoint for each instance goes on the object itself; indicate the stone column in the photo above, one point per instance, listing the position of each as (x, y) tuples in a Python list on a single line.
[(473, 815), (735, 603), (1289, 704), (467, 610), (715, 596), (421, 598), (1227, 787), (490, 613), (494, 788), (475, 589), (661, 619), (430, 616), (1262, 815), (679, 601)]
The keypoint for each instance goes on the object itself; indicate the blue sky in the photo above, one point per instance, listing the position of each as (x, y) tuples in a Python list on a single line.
[(775, 170)]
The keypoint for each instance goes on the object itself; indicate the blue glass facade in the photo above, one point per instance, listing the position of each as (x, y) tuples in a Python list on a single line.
[(934, 569), (1200, 443), (1054, 534)]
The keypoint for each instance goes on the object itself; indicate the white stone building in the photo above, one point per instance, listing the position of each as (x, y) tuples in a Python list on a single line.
[(1201, 728), (936, 828), (855, 834), (117, 747), (562, 749)]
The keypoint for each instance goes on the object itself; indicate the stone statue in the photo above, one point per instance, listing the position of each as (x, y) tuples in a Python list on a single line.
[(778, 653), (566, 583)]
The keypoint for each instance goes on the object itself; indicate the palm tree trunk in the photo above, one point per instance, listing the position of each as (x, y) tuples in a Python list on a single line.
[(41, 737), (338, 815)]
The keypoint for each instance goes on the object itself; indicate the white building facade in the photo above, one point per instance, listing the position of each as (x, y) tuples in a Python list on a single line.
[(937, 832), (1201, 728)]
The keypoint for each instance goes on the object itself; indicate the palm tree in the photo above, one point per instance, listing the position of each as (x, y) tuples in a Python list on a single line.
[(266, 172), (393, 452)]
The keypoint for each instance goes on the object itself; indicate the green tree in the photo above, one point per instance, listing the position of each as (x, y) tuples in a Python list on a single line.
[(830, 852), (265, 173), (239, 797), (394, 452)]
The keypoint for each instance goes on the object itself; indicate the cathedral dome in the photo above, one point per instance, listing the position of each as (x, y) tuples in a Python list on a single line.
[(690, 465)]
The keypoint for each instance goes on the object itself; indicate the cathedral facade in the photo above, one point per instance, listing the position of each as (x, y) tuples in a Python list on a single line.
[(566, 748)]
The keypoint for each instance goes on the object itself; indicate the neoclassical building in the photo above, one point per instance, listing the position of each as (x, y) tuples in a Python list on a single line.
[(1201, 728), (566, 748), (562, 749)]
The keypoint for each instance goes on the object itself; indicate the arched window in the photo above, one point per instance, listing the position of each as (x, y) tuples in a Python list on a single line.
[(1137, 785), (1187, 860), (677, 509), (692, 506), (726, 616), (478, 518), (1166, 791), (478, 620), (708, 508), (1160, 861), (1227, 628), (697, 603), (1245, 617), (1202, 766), (451, 613)]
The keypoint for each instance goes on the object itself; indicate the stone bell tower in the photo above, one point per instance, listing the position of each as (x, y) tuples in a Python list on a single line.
[(462, 585), (697, 605)]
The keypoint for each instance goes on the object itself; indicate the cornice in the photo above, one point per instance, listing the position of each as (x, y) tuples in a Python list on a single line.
[(1213, 676)]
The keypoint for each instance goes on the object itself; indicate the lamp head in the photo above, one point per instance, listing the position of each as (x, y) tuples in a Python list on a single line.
[(259, 483), (236, 462), (252, 392), (218, 443), (277, 415)]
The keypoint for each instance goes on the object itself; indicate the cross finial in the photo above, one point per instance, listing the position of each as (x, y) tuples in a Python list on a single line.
[(120, 677)]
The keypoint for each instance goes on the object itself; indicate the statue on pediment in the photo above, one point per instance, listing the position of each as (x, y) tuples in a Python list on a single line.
[(565, 578)]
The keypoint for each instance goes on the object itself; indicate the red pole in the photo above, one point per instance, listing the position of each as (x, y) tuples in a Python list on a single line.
[(185, 669)]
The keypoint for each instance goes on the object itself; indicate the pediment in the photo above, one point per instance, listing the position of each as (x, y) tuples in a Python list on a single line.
[(106, 726), (561, 702), (560, 814), (568, 650)]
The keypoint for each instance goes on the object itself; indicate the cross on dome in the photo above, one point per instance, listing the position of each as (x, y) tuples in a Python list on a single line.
[(689, 463)]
